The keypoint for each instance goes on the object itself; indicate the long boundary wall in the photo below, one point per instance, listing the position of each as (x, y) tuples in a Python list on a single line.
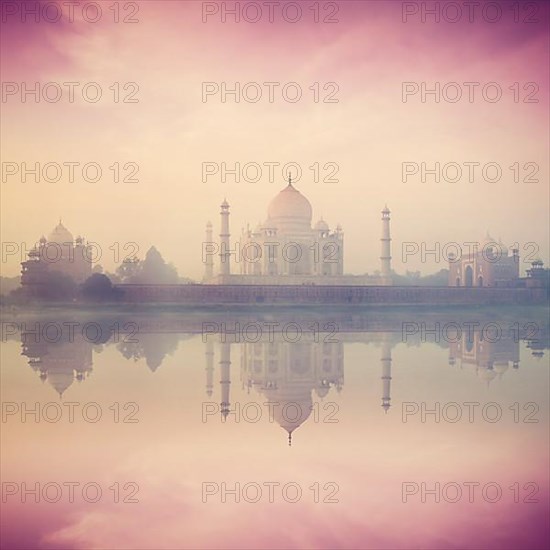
[(197, 294)]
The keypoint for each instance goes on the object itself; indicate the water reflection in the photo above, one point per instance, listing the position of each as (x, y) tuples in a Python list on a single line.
[(277, 367), (170, 367), (60, 362)]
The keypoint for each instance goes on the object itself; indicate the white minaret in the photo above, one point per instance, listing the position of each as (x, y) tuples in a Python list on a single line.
[(386, 373), (385, 241), (225, 254), (209, 264), (225, 376)]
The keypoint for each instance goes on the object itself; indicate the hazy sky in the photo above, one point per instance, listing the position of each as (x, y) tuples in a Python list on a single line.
[(369, 132)]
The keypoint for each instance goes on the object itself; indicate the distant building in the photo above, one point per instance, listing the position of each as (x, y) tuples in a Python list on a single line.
[(287, 249), (538, 276), (489, 264), (59, 252)]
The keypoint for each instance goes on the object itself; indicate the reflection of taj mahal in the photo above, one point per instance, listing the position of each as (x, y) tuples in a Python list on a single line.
[(287, 249), (294, 376), (286, 376)]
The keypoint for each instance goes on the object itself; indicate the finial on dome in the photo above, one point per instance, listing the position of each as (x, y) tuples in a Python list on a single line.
[(290, 439), (289, 179)]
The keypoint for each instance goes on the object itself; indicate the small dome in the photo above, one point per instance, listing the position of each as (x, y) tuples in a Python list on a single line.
[(500, 367), (489, 240), (290, 206), (486, 374), (321, 225), (60, 235), (322, 391)]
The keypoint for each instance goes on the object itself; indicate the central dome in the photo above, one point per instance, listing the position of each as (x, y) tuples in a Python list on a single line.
[(290, 205), (60, 235)]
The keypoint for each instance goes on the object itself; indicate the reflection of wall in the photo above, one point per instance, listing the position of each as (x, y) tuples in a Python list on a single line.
[(61, 362)]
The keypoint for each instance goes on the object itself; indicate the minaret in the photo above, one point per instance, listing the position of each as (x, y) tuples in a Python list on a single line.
[(209, 265), (225, 377), (225, 254), (209, 367), (385, 241), (386, 373)]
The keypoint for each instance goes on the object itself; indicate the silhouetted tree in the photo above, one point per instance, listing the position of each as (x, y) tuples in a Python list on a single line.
[(154, 270), (98, 288)]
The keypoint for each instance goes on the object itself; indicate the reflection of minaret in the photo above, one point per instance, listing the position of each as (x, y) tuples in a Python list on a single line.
[(209, 367), (225, 254), (386, 374), (385, 241), (209, 265), (225, 376)]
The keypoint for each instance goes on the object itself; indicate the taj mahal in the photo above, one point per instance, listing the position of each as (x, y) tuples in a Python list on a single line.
[(287, 248)]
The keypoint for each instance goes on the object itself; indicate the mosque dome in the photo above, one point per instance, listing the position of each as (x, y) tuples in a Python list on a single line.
[(290, 207), (486, 374), (503, 247), (60, 235), (322, 391), (60, 380), (500, 367)]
